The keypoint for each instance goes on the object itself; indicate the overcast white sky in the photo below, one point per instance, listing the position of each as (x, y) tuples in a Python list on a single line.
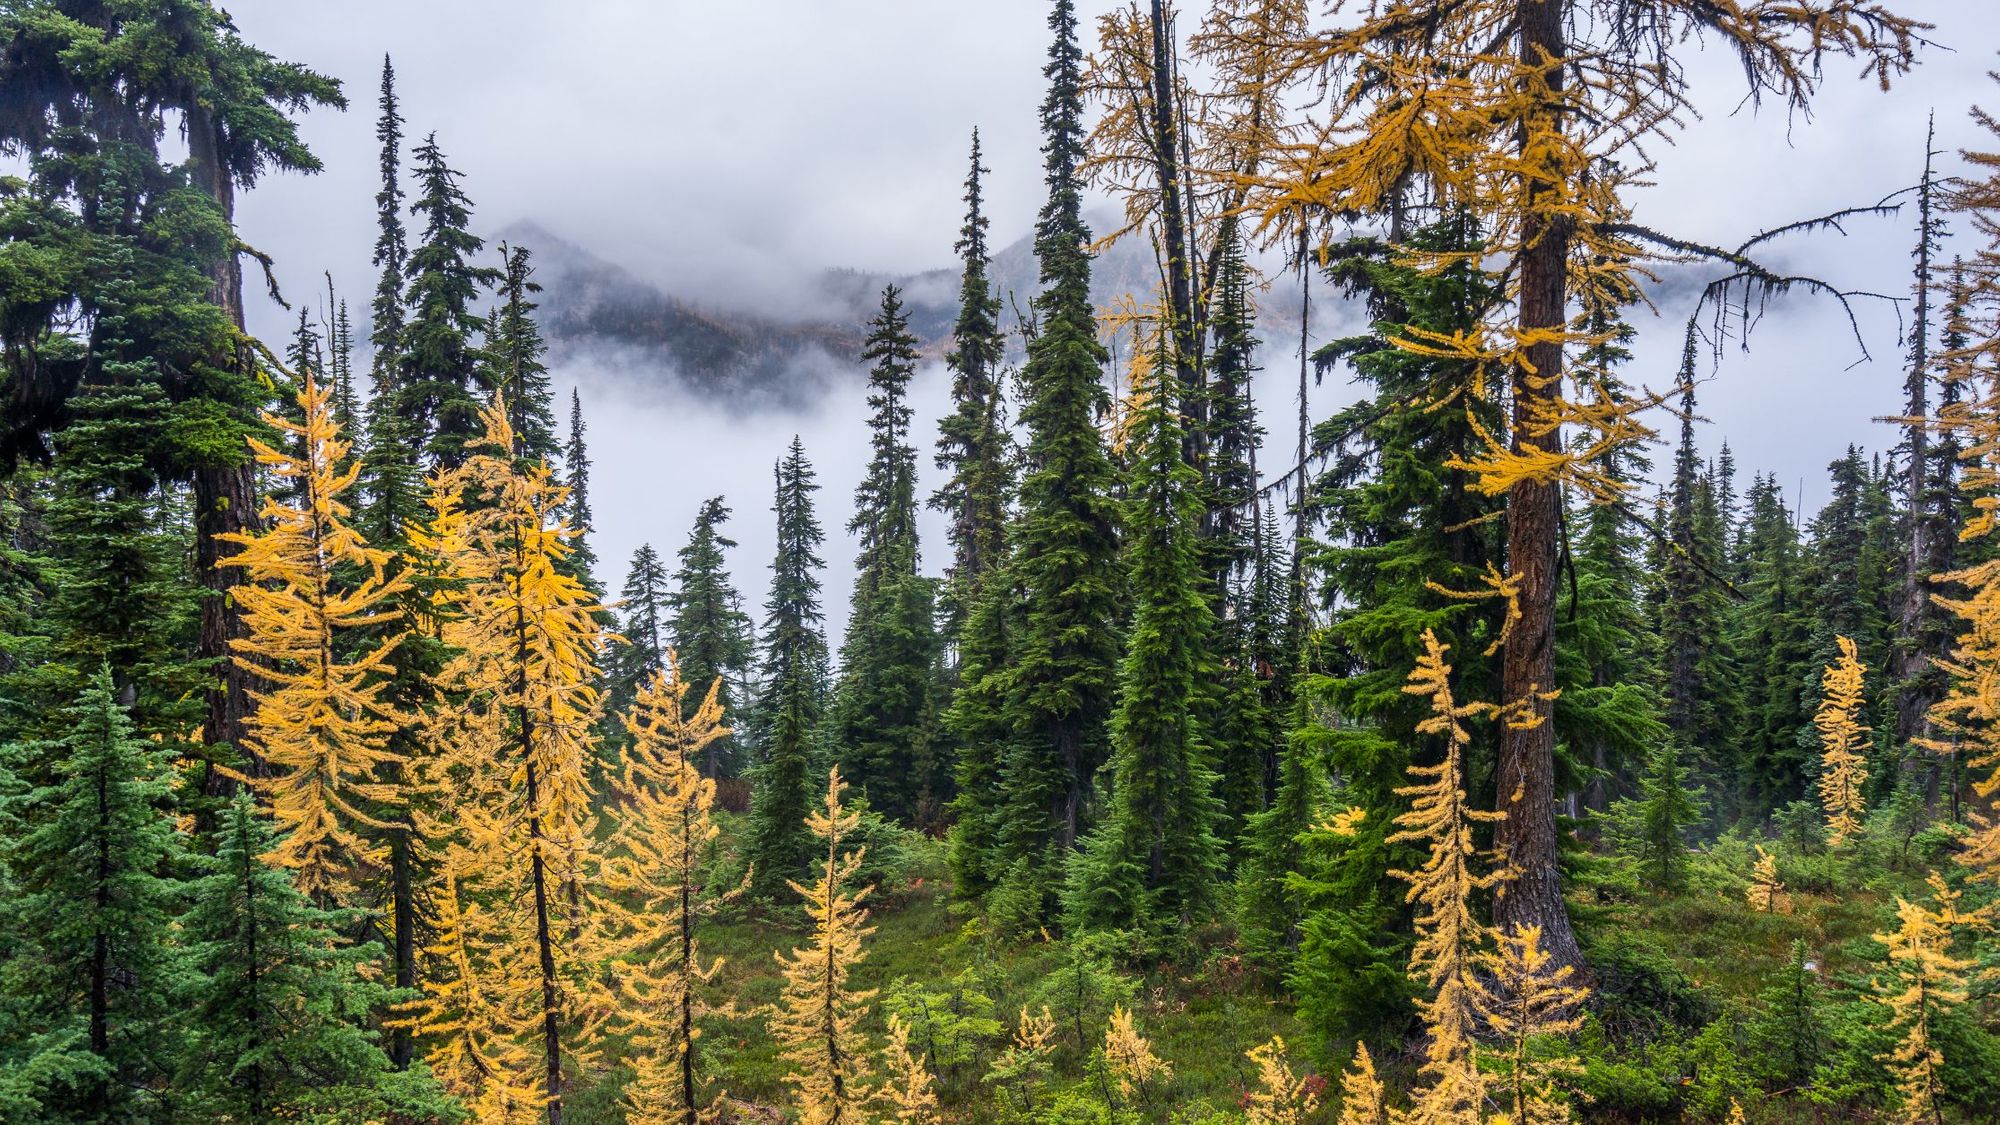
[(727, 150)]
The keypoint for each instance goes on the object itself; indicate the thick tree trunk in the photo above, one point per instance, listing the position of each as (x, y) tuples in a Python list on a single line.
[(225, 496), (1526, 774)]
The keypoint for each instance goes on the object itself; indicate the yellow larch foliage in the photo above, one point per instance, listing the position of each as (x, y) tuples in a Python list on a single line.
[(1735, 1112), (1922, 981), (653, 898), (1536, 123), (1966, 722), (907, 1088), (320, 724), (1842, 737), (1361, 1097), (1017, 1075), (506, 802), (1448, 935), (1531, 998), (472, 1042), (1767, 892), (1281, 1097), (1129, 1056), (817, 1015)]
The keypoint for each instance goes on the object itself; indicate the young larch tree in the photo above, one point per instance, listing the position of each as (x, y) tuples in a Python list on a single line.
[(322, 724), (656, 895), (1922, 981), (1449, 936), (816, 1020), (1842, 737)]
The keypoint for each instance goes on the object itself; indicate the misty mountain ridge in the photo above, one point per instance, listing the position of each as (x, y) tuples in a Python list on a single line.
[(598, 316)]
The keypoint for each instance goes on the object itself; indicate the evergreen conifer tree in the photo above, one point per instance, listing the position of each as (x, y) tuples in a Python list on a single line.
[(1689, 610), (1666, 809), (439, 384), (577, 513), (884, 701), (777, 844), (974, 448), (710, 630), (644, 615), (282, 1011), (93, 986), (1063, 660), (513, 355), (1155, 859)]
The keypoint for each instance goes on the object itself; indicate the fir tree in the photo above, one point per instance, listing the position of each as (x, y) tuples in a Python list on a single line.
[(1787, 1036), (95, 987), (347, 413), (711, 632), (1688, 608), (513, 355), (577, 513), (644, 615), (283, 1008), (438, 381), (391, 241), (884, 703), (1064, 657), (1155, 859), (1666, 808), (974, 449), (1772, 629), (777, 844)]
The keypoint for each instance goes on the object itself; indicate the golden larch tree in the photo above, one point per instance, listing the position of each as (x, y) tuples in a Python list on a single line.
[(1531, 997), (1129, 1057), (1966, 722), (1842, 738), (506, 780), (1766, 892), (1533, 117), (1922, 981), (1449, 935), (320, 725), (908, 1090), (654, 896), (1281, 1097), (816, 1019), (1361, 1098)]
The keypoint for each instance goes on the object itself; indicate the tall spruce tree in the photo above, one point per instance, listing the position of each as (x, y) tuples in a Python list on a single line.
[(1063, 661), (393, 469), (778, 845), (439, 384), (93, 989), (884, 704), (710, 630), (974, 448), (1154, 862)]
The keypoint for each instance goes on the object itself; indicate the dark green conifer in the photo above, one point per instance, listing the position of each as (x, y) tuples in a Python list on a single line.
[(1063, 658), (643, 617), (883, 706), (439, 387), (1666, 808), (576, 475), (778, 845), (93, 988), (710, 630), (1154, 861), (514, 351), (281, 1014), (973, 447)]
